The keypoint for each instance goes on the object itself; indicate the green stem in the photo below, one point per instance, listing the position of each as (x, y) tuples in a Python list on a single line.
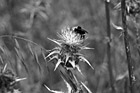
[(127, 46), (108, 45), (67, 75)]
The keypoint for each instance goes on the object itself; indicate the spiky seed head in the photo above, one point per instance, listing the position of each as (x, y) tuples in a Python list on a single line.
[(70, 43)]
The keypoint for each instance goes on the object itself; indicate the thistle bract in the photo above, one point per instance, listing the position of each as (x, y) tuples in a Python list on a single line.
[(70, 43)]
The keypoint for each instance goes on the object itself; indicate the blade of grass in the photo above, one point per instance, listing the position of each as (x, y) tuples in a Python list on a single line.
[(108, 45), (2, 49), (89, 91), (24, 39), (37, 60), (17, 44), (1, 59), (43, 54), (21, 59), (30, 49)]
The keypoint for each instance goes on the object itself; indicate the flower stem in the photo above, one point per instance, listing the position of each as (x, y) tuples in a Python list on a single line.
[(108, 45), (67, 75), (127, 46)]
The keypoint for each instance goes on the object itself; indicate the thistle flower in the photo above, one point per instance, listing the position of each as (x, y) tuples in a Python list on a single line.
[(70, 37), (8, 80), (70, 43)]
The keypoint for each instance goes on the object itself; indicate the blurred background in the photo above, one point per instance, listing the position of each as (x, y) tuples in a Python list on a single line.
[(37, 20)]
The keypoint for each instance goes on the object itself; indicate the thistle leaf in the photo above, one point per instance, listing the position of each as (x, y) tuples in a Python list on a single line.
[(89, 91), (68, 85), (4, 69), (53, 58), (116, 27), (78, 68), (57, 64), (68, 79), (85, 60), (54, 52), (53, 91), (67, 57), (20, 79), (78, 54), (72, 63), (56, 48), (84, 47), (55, 41)]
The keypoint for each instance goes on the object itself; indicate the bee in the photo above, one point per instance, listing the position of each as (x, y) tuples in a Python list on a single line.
[(79, 30)]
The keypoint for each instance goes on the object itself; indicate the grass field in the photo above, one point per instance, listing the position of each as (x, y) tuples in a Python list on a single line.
[(32, 32)]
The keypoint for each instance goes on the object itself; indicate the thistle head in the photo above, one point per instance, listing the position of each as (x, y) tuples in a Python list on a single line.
[(72, 36), (70, 43)]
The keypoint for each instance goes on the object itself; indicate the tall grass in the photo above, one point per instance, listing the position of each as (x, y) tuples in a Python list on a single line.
[(108, 45), (127, 46)]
